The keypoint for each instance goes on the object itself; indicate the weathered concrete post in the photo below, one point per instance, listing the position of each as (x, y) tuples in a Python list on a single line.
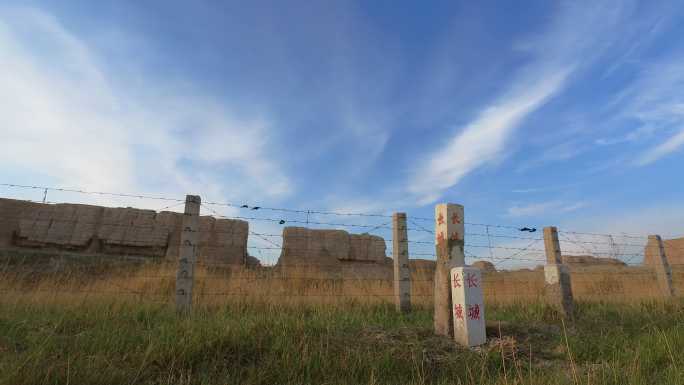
[(558, 287), (402, 275), (187, 253), (449, 235), (658, 258)]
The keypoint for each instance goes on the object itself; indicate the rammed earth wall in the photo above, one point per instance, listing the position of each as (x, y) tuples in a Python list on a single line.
[(92, 229)]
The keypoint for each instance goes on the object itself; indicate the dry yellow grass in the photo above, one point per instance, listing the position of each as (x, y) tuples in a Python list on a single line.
[(96, 321), (155, 282), (216, 285)]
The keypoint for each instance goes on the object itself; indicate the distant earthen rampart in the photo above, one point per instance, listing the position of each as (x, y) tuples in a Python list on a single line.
[(674, 250), (358, 259), (79, 228)]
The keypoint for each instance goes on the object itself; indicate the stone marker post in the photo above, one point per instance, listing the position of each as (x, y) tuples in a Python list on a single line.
[(658, 258), (468, 306), (449, 233), (557, 287), (402, 275), (187, 253)]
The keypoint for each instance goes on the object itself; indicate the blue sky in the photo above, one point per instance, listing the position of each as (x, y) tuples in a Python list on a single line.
[(551, 113)]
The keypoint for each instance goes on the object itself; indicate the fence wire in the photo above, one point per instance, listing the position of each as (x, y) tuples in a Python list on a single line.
[(134, 256)]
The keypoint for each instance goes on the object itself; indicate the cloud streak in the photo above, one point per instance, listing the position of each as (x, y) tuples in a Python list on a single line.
[(669, 146), (483, 140), (75, 123), (537, 209), (555, 55), (657, 100)]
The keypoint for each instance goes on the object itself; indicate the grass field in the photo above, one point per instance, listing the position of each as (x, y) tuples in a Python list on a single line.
[(103, 342)]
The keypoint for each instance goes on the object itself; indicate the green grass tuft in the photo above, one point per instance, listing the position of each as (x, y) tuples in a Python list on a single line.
[(115, 343)]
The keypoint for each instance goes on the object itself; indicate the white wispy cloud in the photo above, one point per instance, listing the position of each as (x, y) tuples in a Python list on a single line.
[(484, 139), (555, 55), (71, 121), (639, 133), (527, 190), (671, 145), (656, 100), (537, 209), (664, 219), (533, 190)]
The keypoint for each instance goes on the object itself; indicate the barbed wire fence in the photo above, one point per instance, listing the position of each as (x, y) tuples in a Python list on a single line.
[(139, 259)]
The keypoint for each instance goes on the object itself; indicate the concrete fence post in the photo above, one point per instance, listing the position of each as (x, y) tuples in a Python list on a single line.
[(557, 287), (449, 236), (187, 253), (402, 274), (656, 250)]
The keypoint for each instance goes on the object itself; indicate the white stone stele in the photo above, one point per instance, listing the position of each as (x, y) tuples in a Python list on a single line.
[(468, 306)]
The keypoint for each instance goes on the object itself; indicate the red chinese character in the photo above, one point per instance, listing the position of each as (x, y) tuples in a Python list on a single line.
[(471, 280), (454, 236), (456, 280), (474, 312), (440, 238), (458, 311), (455, 219), (440, 219)]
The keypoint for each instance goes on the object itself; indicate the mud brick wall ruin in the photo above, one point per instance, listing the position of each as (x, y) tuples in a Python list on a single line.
[(674, 250), (593, 279), (329, 247), (358, 261), (334, 253), (88, 229)]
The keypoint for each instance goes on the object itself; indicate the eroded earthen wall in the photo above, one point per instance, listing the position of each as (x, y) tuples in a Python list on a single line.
[(674, 250), (608, 282), (115, 231), (354, 263), (329, 248)]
